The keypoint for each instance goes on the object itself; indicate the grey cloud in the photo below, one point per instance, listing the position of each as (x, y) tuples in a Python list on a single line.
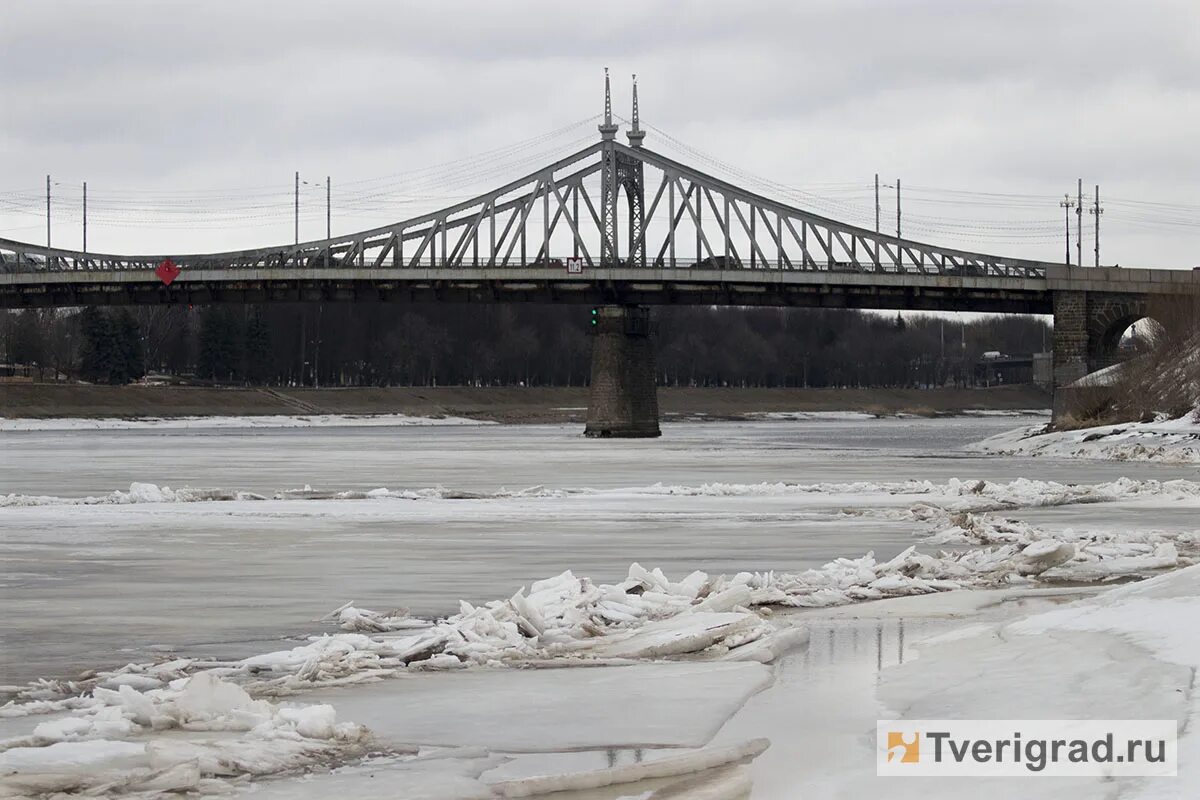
[(1000, 96)]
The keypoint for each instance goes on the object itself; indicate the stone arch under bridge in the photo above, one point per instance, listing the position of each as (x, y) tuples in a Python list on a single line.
[(1087, 330), (1109, 318)]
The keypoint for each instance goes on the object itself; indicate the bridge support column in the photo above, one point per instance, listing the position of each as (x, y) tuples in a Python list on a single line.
[(624, 399), (1070, 345)]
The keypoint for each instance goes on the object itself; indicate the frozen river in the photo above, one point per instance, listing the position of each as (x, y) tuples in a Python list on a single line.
[(98, 585), (97, 573)]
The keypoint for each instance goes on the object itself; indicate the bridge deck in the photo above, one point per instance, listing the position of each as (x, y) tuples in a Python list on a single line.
[(682, 286), (533, 284)]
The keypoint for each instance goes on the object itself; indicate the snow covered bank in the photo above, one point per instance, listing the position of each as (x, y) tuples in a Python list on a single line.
[(1175, 441), (1126, 653), (807, 416), (215, 422), (861, 416)]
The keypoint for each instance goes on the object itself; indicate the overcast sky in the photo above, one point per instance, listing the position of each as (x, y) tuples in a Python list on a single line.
[(211, 106)]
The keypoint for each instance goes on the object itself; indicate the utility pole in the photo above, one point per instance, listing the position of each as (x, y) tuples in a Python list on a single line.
[(47, 211), (897, 208), (1079, 226), (877, 202), (1067, 204), (1097, 211), (297, 208), (85, 219), (328, 216), (321, 306)]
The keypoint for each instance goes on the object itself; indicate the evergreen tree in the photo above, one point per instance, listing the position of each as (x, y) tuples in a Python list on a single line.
[(28, 346), (177, 347), (259, 360), (130, 361), (98, 354), (221, 340)]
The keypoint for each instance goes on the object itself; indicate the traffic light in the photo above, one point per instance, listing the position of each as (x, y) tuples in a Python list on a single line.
[(595, 317)]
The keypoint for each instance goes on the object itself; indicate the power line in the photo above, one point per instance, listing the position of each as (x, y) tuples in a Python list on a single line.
[(403, 193)]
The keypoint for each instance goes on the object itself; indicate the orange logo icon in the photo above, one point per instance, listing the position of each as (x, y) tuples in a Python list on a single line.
[(903, 747)]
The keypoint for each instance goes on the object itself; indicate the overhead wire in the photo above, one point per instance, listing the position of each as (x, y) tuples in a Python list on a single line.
[(429, 187)]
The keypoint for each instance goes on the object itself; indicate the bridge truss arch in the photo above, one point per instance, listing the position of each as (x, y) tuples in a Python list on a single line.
[(674, 217)]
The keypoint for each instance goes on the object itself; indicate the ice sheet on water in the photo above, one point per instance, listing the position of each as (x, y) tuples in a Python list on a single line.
[(570, 620), (679, 704), (709, 774), (375, 780), (724, 785), (648, 615), (212, 422), (956, 494)]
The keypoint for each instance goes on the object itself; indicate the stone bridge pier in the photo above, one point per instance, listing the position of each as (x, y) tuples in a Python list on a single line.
[(624, 397), (1088, 327)]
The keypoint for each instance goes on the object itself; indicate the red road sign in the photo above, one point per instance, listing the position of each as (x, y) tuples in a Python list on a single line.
[(167, 271)]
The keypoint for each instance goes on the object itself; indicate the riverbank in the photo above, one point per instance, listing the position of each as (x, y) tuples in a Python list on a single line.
[(497, 404), (1168, 441)]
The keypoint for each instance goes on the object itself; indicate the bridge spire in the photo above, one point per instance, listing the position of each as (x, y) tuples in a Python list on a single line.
[(608, 130), (636, 134)]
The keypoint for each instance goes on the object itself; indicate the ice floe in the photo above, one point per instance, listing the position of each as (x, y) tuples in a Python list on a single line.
[(106, 748), (568, 618)]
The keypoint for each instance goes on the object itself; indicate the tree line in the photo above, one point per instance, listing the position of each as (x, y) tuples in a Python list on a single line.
[(482, 345)]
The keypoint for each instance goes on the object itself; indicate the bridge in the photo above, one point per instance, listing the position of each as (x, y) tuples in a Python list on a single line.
[(620, 227)]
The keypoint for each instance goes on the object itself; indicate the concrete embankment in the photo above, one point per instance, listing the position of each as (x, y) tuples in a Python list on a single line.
[(503, 404)]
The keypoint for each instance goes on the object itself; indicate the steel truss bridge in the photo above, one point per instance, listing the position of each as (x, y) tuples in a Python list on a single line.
[(618, 225), (639, 228), (644, 228)]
